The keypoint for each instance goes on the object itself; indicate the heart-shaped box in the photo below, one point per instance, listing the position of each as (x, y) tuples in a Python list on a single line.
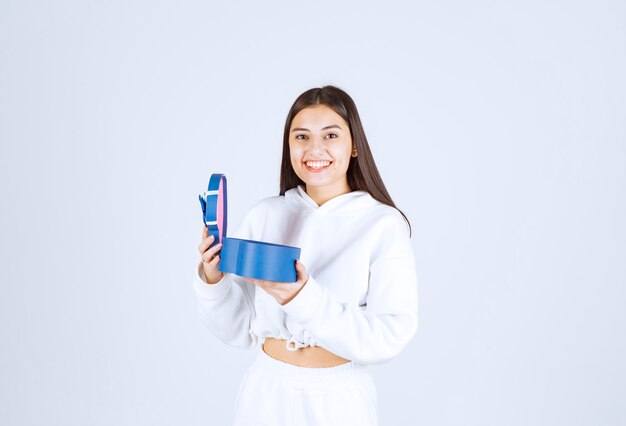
[(246, 258)]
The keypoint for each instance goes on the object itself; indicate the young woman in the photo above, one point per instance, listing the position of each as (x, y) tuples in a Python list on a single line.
[(355, 302)]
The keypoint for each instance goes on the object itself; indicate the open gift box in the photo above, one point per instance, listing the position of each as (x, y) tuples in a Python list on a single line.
[(246, 258)]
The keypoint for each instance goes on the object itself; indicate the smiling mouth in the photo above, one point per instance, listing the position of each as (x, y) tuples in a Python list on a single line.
[(317, 165)]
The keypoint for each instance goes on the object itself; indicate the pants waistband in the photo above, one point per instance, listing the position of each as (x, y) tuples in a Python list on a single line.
[(289, 371)]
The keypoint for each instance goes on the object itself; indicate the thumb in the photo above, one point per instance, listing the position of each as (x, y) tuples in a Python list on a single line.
[(301, 271)]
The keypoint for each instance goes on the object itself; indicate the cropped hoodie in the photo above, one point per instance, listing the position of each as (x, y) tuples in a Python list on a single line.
[(360, 301)]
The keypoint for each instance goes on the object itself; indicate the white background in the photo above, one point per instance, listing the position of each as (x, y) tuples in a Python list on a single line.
[(498, 127)]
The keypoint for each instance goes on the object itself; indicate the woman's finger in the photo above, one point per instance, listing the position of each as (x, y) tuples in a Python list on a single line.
[(205, 244), (301, 273), (210, 253), (215, 261)]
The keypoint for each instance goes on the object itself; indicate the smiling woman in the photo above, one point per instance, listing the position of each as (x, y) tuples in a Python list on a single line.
[(354, 304), (320, 152), (362, 173)]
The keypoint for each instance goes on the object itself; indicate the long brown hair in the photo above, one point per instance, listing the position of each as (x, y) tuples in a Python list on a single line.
[(362, 171)]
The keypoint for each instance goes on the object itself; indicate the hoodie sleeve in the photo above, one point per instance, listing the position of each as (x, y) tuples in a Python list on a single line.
[(226, 308), (372, 334)]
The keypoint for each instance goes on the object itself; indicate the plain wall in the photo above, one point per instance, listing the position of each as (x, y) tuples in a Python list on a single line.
[(498, 128)]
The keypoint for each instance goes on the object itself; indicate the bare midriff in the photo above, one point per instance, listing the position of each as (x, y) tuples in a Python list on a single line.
[(310, 356)]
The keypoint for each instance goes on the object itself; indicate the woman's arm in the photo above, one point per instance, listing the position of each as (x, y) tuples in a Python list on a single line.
[(370, 335), (226, 308), (382, 327)]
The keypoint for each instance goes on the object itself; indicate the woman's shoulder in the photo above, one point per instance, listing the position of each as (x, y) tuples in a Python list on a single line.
[(268, 205), (392, 232), (386, 215), (257, 215)]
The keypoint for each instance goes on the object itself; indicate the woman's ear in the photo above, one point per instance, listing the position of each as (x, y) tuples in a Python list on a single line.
[(354, 152)]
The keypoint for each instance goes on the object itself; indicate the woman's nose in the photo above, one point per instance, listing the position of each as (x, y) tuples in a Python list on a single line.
[(316, 144)]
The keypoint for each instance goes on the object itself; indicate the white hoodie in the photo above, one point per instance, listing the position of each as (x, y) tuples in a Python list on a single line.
[(360, 301)]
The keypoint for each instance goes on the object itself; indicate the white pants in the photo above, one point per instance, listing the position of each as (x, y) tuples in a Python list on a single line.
[(274, 393)]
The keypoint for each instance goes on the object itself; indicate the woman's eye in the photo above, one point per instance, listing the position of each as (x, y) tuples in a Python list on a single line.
[(331, 135), (300, 136)]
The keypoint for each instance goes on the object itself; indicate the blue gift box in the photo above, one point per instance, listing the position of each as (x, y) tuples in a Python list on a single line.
[(246, 258)]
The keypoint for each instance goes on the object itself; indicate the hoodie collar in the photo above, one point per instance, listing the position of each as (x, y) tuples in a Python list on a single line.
[(351, 202)]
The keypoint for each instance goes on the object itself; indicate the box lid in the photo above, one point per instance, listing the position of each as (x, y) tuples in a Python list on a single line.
[(214, 207)]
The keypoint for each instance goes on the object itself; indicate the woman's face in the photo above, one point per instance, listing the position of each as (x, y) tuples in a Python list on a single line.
[(321, 146)]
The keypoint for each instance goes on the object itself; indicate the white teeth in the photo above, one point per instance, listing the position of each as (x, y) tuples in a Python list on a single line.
[(317, 164)]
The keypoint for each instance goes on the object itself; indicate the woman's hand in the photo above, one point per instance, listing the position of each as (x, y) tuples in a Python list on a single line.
[(284, 292), (210, 259)]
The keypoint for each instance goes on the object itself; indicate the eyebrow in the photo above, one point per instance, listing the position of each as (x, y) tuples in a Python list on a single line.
[(332, 126)]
